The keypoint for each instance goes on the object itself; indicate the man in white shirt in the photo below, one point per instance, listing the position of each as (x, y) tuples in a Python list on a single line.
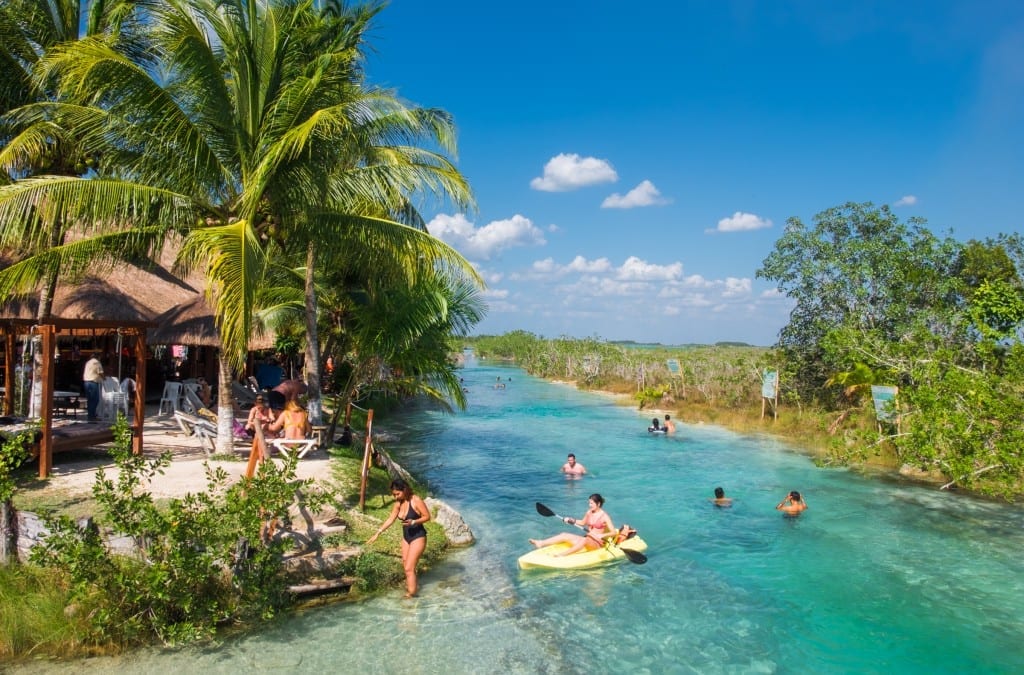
[(92, 378)]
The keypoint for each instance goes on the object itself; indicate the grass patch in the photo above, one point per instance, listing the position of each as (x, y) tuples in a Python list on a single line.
[(37, 617)]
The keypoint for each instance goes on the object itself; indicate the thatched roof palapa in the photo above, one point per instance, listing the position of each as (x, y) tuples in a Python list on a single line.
[(192, 323)]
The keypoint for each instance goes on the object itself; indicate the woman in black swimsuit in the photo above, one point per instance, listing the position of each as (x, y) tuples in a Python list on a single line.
[(411, 510)]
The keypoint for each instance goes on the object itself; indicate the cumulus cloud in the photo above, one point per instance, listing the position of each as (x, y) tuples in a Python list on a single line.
[(482, 243), (635, 269), (644, 194), (570, 171), (581, 264), (736, 287), (741, 222), (905, 200)]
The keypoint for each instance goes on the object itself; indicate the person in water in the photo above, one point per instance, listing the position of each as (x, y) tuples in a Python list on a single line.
[(597, 523), (720, 498), (655, 426), (669, 426), (411, 510), (572, 467), (792, 504)]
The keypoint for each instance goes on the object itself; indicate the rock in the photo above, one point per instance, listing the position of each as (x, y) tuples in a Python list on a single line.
[(456, 531)]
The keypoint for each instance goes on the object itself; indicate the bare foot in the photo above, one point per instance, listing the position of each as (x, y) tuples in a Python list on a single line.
[(536, 544), (409, 596)]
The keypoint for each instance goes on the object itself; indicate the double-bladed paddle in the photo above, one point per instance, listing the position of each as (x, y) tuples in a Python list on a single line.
[(634, 556)]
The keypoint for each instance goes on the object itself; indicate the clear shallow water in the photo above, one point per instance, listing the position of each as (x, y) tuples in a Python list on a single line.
[(876, 577)]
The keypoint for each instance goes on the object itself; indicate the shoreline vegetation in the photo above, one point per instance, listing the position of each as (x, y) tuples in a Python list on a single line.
[(189, 579)]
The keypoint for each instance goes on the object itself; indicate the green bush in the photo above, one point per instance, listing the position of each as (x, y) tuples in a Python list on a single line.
[(203, 559)]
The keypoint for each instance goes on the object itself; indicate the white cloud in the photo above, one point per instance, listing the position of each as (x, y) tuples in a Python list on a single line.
[(644, 194), (735, 288), (581, 264), (570, 171), (635, 269), (905, 200), (742, 222), (496, 294), (482, 243)]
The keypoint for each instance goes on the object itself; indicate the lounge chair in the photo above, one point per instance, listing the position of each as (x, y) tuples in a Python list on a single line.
[(199, 427), (300, 446)]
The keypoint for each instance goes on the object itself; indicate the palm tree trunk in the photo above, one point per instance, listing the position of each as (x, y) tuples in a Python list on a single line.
[(315, 405), (8, 532), (225, 406)]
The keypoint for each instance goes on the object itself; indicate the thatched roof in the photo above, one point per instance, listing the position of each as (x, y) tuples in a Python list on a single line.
[(129, 292), (120, 292), (192, 323)]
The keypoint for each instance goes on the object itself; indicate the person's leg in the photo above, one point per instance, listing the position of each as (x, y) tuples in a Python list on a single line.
[(411, 553), (558, 538), (92, 399), (583, 542)]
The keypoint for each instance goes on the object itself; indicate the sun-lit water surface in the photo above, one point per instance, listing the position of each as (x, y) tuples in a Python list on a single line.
[(877, 576)]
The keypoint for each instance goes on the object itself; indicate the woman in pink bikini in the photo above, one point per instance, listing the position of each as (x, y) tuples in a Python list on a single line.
[(598, 524)]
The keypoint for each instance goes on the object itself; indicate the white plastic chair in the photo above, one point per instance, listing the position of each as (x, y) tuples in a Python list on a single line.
[(171, 400), (112, 398), (298, 445), (128, 389)]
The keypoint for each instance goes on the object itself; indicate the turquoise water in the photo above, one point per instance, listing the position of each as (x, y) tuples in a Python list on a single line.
[(876, 577)]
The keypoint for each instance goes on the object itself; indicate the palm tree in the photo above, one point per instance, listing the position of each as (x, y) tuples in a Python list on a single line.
[(31, 142), (247, 126)]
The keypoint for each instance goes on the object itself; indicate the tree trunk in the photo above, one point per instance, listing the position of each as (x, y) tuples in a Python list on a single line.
[(225, 406), (8, 533), (315, 405)]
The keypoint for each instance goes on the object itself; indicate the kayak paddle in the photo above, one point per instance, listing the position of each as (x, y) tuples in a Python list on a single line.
[(634, 556)]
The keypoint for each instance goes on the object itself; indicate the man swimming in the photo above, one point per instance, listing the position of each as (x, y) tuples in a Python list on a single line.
[(572, 467)]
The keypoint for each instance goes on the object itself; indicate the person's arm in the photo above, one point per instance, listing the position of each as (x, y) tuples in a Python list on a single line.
[(583, 469), (385, 525), (276, 424)]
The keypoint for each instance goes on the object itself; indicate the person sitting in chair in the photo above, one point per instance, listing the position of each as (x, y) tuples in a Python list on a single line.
[(294, 421)]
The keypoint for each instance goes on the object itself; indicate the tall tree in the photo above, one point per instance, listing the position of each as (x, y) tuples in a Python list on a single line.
[(861, 270)]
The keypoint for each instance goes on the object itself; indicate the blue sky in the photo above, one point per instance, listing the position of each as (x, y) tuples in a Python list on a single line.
[(634, 163)]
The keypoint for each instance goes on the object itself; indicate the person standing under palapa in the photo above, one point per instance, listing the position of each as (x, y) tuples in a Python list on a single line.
[(92, 379)]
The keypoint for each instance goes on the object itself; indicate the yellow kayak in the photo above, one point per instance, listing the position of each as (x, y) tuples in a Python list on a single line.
[(546, 558)]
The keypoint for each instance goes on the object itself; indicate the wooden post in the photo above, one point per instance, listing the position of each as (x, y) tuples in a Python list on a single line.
[(258, 451), (9, 364), (367, 458), (46, 406), (140, 390)]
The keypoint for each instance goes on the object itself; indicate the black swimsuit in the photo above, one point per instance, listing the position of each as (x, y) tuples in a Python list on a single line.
[(412, 532)]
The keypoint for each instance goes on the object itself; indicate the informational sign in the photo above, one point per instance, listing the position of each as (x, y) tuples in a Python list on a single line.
[(884, 398), (769, 383)]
